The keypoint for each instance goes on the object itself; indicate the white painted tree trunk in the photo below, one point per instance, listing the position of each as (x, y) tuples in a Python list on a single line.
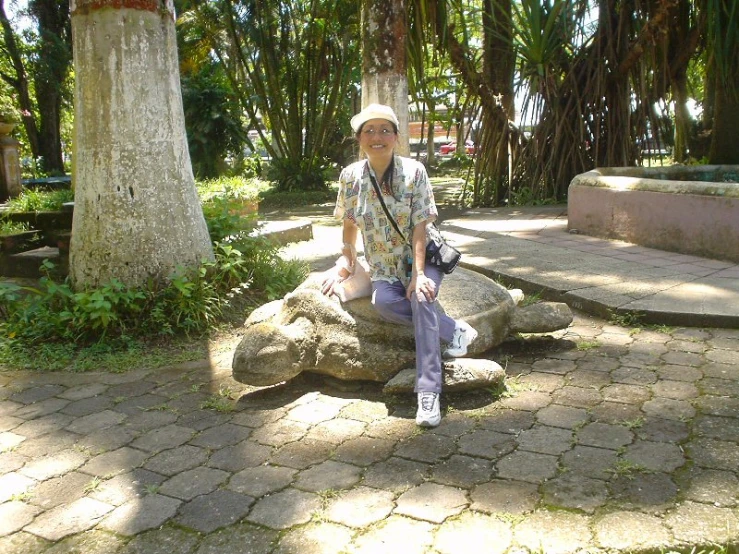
[(384, 60), (136, 209)]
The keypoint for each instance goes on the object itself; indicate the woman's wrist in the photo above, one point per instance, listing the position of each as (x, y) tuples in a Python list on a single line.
[(344, 263)]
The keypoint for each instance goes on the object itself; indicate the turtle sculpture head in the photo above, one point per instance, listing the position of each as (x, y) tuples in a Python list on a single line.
[(307, 331)]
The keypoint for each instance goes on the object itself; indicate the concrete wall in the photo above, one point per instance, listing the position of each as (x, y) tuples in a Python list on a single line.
[(691, 210)]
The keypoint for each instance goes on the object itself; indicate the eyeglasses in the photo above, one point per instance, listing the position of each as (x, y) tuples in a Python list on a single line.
[(384, 131)]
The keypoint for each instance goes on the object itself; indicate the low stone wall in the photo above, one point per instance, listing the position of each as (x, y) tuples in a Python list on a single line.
[(687, 209)]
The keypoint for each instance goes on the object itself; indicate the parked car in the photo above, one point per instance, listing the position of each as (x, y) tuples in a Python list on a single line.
[(451, 148)]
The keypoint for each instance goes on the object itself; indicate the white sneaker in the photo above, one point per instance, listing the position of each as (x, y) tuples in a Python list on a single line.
[(464, 334), (428, 414)]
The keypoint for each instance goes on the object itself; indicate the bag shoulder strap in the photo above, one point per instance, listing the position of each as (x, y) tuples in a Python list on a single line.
[(384, 207)]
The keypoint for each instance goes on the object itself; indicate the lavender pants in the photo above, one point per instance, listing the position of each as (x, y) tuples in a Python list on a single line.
[(429, 325)]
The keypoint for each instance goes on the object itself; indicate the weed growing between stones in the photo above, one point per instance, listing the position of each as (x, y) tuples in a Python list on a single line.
[(626, 319), (532, 298), (92, 486), (627, 469), (220, 402), (585, 345), (633, 423)]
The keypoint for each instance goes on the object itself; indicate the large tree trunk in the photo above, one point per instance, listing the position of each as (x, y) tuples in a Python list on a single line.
[(50, 140), (493, 163), (19, 81), (682, 117), (725, 138), (55, 57), (384, 61), (137, 212)]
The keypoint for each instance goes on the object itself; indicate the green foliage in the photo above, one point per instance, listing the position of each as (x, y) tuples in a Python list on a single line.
[(525, 196), (585, 345), (530, 299), (220, 402), (8, 227), (291, 66), (212, 119), (456, 162), (626, 319), (234, 188), (227, 205), (9, 112), (40, 200), (274, 199), (270, 273), (51, 326), (298, 174)]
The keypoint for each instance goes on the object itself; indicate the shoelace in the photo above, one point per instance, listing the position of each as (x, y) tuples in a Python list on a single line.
[(427, 402)]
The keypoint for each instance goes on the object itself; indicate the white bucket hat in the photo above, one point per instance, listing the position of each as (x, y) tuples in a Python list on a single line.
[(374, 111)]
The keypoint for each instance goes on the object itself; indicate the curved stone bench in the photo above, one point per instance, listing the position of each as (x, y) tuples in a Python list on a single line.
[(686, 209)]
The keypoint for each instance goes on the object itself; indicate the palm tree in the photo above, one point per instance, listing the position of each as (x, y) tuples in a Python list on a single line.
[(290, 65)]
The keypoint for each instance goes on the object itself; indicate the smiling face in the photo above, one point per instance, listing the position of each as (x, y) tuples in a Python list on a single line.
[(377, 138)]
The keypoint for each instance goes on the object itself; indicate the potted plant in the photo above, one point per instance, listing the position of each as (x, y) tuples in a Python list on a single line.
[(10, 115)]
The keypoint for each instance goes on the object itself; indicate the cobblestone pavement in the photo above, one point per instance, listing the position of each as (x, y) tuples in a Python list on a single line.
[(606, 439)]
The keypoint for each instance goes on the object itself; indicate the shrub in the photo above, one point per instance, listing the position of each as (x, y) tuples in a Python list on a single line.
[(274, 199), (40, 200), (8, 227), (224, 200), (52, 326), (67, 324), (306, 174)]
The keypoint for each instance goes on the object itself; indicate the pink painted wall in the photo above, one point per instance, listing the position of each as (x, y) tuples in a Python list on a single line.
[(690, 217)]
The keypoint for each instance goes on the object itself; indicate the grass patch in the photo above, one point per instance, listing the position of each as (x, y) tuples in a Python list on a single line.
[(21, 496), (111, 356), (585, 345), (217, 404), (151, 489), (49, 326), (501, 390)]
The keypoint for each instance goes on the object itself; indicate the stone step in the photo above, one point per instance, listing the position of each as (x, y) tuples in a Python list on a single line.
[(27, 264), (285, 231)]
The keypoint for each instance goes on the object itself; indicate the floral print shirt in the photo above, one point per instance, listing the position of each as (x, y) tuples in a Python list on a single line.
[(409, 199)]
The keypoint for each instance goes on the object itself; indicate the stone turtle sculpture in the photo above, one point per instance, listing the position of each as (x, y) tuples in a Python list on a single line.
[(307, 331)]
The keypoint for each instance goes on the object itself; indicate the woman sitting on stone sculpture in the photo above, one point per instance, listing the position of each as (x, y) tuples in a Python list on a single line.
[(404, 288)]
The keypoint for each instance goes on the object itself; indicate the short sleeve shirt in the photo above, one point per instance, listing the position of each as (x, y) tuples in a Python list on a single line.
[(409, 199)]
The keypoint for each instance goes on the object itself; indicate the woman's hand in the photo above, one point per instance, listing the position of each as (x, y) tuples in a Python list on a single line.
[(334, 277), (423, 287)]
